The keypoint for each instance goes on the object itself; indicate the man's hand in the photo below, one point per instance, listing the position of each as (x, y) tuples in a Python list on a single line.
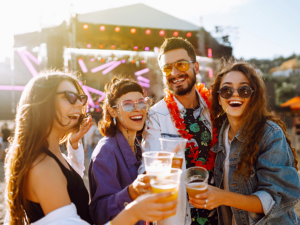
[(74, 138)]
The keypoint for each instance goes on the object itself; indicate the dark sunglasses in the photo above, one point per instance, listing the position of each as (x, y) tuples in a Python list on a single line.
[(180, 65), (72, 97), (129, 105), (243, 91)]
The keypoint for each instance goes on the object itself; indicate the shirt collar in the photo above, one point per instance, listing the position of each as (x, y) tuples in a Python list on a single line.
[(126, 151), (219, 146), (202, 104)]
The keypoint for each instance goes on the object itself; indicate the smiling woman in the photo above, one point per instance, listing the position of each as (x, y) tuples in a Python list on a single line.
[(118, 155), (256, 166), (39, 178)]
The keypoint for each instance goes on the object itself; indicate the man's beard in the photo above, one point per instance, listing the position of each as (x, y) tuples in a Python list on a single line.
[(180, 91)]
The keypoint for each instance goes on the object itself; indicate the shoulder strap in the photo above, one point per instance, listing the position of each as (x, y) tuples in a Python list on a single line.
[(62, 167)]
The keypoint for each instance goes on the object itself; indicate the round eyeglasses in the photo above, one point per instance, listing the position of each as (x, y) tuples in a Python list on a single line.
[(130, 105)]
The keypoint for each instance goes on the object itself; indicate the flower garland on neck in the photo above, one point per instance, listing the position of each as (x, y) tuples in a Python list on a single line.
[(181, 127)]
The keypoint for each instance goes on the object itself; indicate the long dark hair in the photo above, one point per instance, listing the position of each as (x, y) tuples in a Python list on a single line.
[(36, 113), (255, 116), (114, 90)]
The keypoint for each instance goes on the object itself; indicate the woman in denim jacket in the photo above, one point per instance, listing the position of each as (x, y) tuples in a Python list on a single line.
[(256, 166)]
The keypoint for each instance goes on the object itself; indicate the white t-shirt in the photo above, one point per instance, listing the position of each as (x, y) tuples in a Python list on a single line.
[(227, 144)]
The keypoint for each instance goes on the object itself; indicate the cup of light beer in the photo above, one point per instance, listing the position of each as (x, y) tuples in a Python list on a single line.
[(158, 163), (195, 180), (167, 183), (175, 145)]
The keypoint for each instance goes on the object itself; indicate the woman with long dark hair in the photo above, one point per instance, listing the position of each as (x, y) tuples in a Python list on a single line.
[(256, 166), (39, 178)]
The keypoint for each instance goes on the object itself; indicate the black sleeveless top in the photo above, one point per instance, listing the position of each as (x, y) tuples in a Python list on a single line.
[(76, 189)]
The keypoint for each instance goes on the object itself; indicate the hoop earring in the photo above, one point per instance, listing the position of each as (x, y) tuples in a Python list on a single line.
[(115, 122), (124, 124)]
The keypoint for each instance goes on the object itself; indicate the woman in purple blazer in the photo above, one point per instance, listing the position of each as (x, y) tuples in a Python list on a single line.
[(113, 175)]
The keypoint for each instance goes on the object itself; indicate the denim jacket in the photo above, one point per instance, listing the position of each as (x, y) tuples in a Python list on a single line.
[(159, 124), (274, 179)]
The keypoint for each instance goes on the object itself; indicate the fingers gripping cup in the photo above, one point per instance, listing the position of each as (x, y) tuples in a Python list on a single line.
[(176, 146), (167, 183), (158, 164), (195, 180)]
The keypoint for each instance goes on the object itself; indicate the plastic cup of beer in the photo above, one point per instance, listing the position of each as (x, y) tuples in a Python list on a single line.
[(158, 163), (167, 183), (174, 144), (195, 180)]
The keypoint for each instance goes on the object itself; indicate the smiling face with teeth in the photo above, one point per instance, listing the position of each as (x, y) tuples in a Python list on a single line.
[(235, 105), (134, 120), (68, 114), (179, 82)]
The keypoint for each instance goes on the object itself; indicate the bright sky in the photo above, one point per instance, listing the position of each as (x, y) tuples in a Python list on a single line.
[(258, 28)]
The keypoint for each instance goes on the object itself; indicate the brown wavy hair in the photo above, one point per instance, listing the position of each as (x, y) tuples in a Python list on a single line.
[(36, 113), (114, 90), (255, 116)]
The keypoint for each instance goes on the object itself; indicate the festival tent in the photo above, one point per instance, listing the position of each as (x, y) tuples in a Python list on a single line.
[(293, 103), (137, 15)]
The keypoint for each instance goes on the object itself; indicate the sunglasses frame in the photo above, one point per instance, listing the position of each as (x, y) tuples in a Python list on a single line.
[(238, 90), (135, 103), (77, 96), (174, 64)]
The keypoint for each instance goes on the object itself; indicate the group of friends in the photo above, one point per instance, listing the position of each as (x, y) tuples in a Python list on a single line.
[(252, 166)]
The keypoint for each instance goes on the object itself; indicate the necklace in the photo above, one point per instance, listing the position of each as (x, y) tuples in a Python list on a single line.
[(181, 127), (135, 148)]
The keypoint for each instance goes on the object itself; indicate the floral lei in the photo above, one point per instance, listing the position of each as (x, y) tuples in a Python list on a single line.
[(181, 127)]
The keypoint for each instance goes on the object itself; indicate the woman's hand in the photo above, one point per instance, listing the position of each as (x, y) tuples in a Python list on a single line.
[(146, 207), (140, 186), (211, 199), (74, 138)]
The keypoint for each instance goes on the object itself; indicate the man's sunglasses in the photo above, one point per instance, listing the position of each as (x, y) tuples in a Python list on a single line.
[(243, 91), (180, 65), (72, 97), (129, 105)]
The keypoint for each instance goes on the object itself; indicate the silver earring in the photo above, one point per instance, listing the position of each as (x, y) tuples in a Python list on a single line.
[(115, 122)]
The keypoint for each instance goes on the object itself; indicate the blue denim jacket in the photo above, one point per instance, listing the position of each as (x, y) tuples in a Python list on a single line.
[(274, 179)]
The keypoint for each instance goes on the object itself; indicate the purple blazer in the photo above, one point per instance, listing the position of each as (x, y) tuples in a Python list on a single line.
[(112, 169)]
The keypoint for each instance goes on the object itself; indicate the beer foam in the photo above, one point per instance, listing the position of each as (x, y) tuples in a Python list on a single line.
[(195, 186), (164, 185), (161, 170)]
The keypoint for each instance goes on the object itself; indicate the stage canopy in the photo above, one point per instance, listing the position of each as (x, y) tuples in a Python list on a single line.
[(137, 15)]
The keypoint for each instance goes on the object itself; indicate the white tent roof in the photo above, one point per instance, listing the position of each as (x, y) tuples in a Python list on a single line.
[(137, 15)]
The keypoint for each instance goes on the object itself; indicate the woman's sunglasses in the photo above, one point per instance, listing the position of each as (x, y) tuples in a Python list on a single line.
[(243, 91), (129, 105), (180, 65), (72, 97)]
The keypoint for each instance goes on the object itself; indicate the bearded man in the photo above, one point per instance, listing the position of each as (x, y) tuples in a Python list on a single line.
[(183, 113)]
